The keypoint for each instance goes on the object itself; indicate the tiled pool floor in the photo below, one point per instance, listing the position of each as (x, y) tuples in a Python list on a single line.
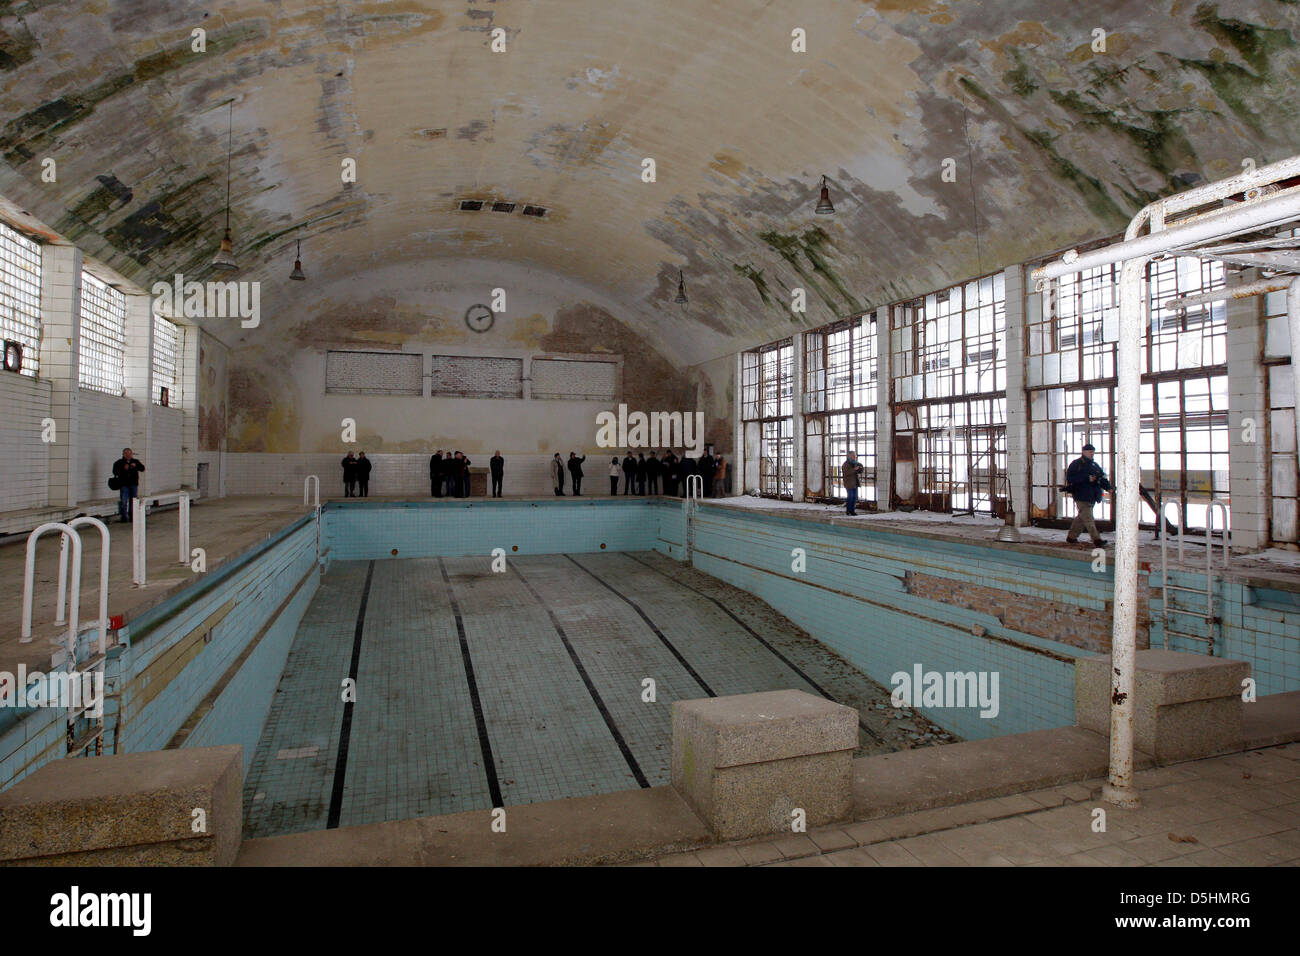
[(476, 689)]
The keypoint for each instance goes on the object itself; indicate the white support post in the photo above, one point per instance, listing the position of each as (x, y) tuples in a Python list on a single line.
[(884, 411), (1293, 325), (139, 550), (1119, 788), (183, 528), (799, 463), (310, 483)]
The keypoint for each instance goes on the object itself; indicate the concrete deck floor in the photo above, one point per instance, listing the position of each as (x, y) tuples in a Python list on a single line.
[(545, 663), (1237, 810)]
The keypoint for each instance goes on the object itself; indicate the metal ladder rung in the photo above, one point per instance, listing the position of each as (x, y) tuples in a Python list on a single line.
[(1190, 637), (1180, 587), (85, 740)]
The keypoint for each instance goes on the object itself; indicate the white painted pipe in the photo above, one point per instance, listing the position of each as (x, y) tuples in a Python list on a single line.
[(1178, 510), (308, 483), (60, 613), (1223, 223), (29, 582), (1227, 531), (183, 528), (1244, 291), (1119, 788), (1245, 182), (139, 551), (103, 575), (1293, 325)]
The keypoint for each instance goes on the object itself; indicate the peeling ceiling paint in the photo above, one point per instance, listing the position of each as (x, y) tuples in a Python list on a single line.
[(1053, 142)]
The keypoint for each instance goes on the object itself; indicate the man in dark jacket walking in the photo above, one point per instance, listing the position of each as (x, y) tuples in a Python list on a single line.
[(363, 475), (436, 480), (127, 471), (629, 473), (497, 466), (1088, 484), (672, 473), (350, 476), (575, 469)]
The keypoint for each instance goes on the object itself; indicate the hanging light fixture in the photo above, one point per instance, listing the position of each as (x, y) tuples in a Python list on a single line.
[(824, 207), (681, 289), (224, 260), (297, 275)]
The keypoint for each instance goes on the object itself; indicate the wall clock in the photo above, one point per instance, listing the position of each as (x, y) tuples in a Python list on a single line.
[(479, 318)]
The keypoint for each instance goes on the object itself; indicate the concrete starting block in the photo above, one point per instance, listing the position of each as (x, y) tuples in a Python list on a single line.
[(747, 763), (1185, 706), (127, 810)]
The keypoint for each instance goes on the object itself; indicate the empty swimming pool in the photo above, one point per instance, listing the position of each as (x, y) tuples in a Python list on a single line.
[(552, 678)]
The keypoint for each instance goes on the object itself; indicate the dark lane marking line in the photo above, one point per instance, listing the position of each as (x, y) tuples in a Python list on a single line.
[(756, 636), (651, 624), (586, 679), (345, 732), (485, 745)]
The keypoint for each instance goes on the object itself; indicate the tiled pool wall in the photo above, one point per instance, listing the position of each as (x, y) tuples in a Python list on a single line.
[(207, 660), (210, 655), (1257, 623), (458, 528), (858, 595)]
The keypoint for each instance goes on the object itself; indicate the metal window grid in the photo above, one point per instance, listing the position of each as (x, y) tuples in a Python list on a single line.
[(20, 295), (102, 364), (167, 339)]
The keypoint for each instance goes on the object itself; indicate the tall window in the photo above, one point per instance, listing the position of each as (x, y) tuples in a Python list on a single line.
[(840, 379), (103, 337), (949, 395), (1184, 395), (767, 408), (20, 294), (167, 340)]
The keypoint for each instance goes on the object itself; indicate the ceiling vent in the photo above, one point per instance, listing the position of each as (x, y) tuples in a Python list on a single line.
[(503, 207), (538, 211), (471, 205)]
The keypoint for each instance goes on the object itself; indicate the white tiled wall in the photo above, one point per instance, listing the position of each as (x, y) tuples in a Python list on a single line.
[(103, 430), (164, 472), (268, 474), (24, 458)]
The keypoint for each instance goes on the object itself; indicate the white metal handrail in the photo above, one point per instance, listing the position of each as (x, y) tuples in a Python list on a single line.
[(103, 575), (311, 482), (1209, 528), (140, 533), (1170, 609), (29, 582)]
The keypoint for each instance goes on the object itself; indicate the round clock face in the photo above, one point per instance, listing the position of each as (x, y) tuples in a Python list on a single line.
[(479, 318)]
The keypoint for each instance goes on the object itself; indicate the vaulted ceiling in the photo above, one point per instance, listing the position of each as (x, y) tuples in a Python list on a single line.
[(1052, 141)]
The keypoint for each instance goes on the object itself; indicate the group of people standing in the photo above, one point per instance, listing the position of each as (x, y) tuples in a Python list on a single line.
[(449, 475), (642, 475), (356, 476)]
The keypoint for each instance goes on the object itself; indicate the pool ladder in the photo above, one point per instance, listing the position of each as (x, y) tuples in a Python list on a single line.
[(691, 504), (69, 598), (1170, 610)]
